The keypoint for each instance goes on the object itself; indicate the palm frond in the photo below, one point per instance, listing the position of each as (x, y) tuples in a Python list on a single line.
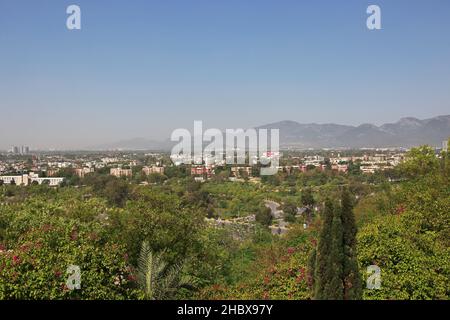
[(158, 279)]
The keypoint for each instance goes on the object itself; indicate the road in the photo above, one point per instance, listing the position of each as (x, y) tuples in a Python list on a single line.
[(278, 215), (273, 206)]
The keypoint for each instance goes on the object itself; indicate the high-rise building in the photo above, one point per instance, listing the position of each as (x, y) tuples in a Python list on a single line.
[(20, 150)]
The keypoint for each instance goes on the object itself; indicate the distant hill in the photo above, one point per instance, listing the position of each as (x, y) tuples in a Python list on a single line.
[(406, 132)]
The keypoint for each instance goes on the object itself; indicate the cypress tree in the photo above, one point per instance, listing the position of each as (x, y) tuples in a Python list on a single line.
[(351, 276), (322, 271), (335, 268), (334, 288)]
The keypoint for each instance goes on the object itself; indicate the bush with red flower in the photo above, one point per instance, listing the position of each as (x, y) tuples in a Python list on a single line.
[(278, 273), (35, 268)]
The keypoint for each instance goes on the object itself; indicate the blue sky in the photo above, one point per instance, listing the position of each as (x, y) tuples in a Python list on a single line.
[(144, 68)]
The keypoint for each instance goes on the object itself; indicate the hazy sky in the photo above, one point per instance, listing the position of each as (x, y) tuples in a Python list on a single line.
[(143, 68)]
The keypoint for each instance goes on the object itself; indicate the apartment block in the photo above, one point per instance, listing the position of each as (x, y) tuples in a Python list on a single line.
[(81, 172), (153, 169), (119, 172)]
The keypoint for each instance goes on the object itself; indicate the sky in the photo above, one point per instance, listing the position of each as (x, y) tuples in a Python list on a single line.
[(143, 68)]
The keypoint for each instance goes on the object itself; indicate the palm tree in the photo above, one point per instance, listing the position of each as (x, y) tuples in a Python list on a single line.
[(158, 279)]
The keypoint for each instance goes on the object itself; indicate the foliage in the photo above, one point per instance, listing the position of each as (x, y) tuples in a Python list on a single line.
[(409, 269), (335, 269), (100, 222), (351, 276), (419, 162), (158, 279), (35, 267), (278, 272), (264, 216), (411, 242)]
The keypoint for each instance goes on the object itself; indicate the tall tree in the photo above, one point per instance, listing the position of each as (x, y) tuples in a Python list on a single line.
[(334, 288), (308, 201), (352, 280), (336, 275), (321, 272)]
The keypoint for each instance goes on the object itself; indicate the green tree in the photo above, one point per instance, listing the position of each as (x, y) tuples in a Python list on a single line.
[(334, 288), (116, 191), (157, 178), (352, 280), (413, 265), (336, 274), (319, 266), (289, 210), (264, 216), (158, 279), (173, 171), (307, 199), (419, 162), (70, 178), (354, 168), (34, 266)]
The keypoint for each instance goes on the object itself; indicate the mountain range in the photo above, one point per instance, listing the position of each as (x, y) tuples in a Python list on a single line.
[(406, 132)]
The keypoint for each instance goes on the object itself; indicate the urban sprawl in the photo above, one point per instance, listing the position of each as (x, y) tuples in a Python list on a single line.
[(20, 166)]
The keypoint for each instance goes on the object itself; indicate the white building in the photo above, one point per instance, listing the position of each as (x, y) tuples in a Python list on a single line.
[(27, 179)]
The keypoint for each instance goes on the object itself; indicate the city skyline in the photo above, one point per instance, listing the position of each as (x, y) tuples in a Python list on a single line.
[(142, 69)]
